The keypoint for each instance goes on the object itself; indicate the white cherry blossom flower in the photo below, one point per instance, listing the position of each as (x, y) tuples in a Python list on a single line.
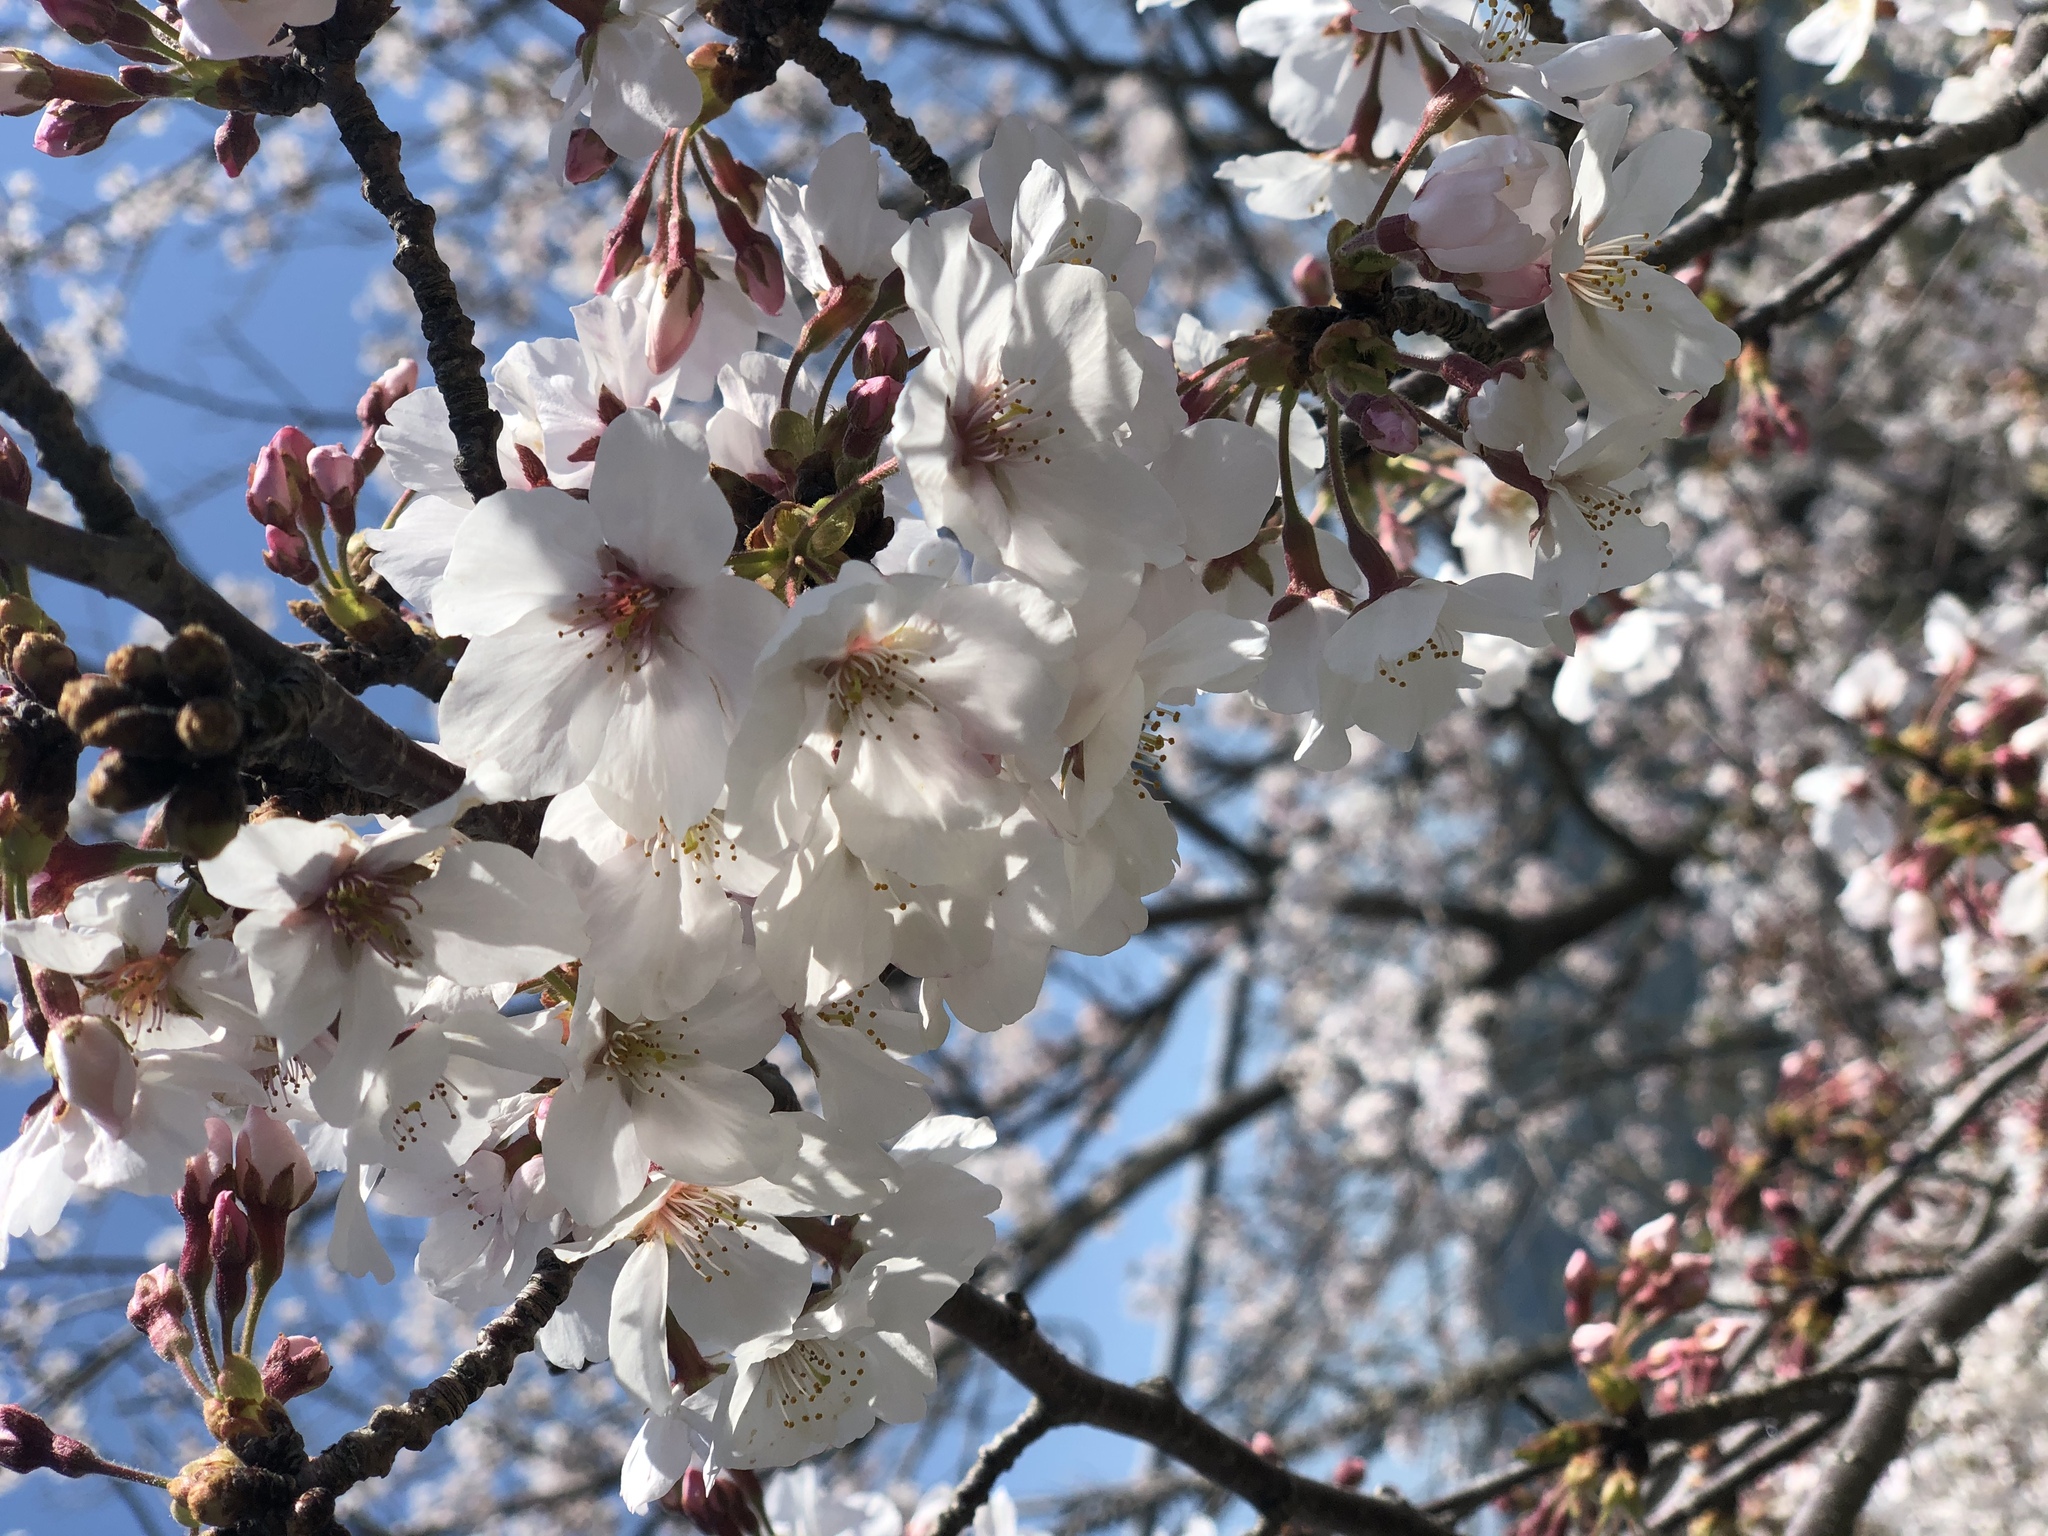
[(1321, 65), (809, 1389), (113, 937), (1288, 184), (344, 931), (673, 1092), (1490, 204), (897, 698), (1837, 33), (1627, 330), (662, 928), (1396, 666), (1496, 44), (608, 641), (633, 79), (1045, 207), (835, 231), (1591, 533), (1026, 430), (703, 1256)]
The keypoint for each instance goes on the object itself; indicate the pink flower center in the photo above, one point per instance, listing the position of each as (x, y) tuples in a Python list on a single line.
[(623, 615), (995, 425), (375, 911), (140, 991)]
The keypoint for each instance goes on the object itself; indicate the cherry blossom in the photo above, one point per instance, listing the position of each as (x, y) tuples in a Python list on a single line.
[(632, 645)]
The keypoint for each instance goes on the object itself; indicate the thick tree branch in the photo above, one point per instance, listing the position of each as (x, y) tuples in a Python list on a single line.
[(66, 454), (1009, 1336), (293, 696), (451, 346)]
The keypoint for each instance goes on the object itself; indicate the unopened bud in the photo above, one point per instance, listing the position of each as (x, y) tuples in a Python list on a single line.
[(143, 730), (627, 242), (1264, 1446), (216, 1490), (101, 21), (235, 142), (233, 1250), (44, 665), (678, 313), (94, 1069), (1312, 279), (197, 664), (1592, 1343), (589, 157), (870, 411), (140, 667), (731, 175), (91, 698), (333, 472), (77, 127), (1348, 1473), (295, 1366), (209, 727), (157, 1310), (204, 812), (1581, 1280), (27, 1444), (881, 353), (1383, 423), (287, 552), (385, 391)]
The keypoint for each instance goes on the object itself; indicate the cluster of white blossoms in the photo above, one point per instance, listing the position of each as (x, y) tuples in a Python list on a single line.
[(849, 710)]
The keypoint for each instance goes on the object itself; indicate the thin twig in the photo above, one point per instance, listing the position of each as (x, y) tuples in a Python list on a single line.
[(1829, 278), (995, 1458)]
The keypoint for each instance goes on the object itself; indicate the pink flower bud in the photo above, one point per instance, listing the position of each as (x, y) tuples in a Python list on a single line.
[(1265, 1446), (77, 127), (1491, 204), (1581, 1280), (1312, 280), (295, 1366), (1349, 1472), (207, 1174), (235, 142), (734, 177), (589, 157), (286, 552), (385, 391), (94, 1069), (1383, 423), (332, 469), (233, 1250), (870, 411), (100, 21), (1592, 1343), (679, 311), (1654, 1241), (881, 351), (27, 1444), (157, 1309), (271, 1168), (1609, 1224)]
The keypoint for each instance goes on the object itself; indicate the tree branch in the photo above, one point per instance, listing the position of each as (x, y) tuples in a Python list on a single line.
[(450, 334), (1996, 1076), (1876, 1431), (293, 696), (66, 454), (1009, 1336), (995, 1458), (369, 1452), (1041, 1247), (1829, 278)]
